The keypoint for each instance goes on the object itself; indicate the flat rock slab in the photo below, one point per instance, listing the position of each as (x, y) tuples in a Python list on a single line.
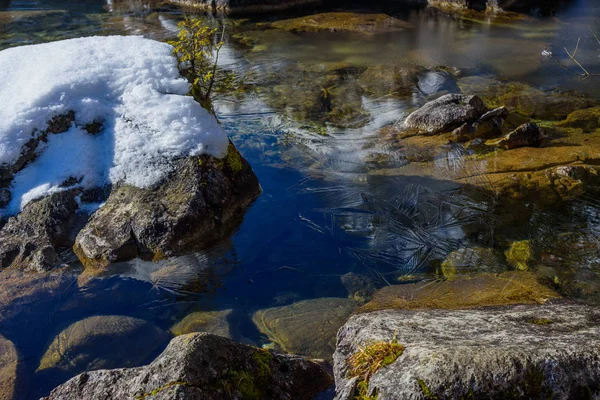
[(517, 352), (202, 366)]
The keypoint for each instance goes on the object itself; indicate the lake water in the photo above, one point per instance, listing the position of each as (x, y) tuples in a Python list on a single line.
[(334, 201)]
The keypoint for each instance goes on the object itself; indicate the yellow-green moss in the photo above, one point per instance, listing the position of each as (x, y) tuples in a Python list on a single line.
[(362, 392), (250, 384), (541, 321), (159, 389), (263, 359), (368, 360), (429, 395), (519, 255), (234, 160)]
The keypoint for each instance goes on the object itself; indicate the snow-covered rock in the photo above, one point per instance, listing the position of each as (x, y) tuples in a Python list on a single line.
[(93, 119), (129, 85)]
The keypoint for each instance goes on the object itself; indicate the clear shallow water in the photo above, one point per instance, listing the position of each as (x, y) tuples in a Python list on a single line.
[(327, 208)]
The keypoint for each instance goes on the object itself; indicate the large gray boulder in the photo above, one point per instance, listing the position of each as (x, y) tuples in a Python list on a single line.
[(446, 113), (203, 366), (202, 201), (517, 352)]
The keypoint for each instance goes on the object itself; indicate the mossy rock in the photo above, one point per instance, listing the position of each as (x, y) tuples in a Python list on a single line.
[(470, 260), (214, 322), (468, 292), (307, 327), (9, 361), (588, 119), (343, 22), (102, 342)]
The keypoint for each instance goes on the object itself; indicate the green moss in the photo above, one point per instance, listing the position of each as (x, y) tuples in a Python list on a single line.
[(250, 384), (541, 321), (159, 389), (429, 395), (368, 360), (362, 392), (263, 359), (234, 160), (519, 255)]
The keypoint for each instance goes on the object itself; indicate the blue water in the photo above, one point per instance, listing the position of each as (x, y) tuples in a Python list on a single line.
[(321, 214)]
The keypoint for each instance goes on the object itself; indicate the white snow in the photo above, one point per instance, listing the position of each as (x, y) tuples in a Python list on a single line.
[(130, 83)]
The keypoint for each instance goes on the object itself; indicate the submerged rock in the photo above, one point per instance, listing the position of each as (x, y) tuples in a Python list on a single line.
[(202, 201), (9, 361), (30, 240), (203, 366), (588, 119), (471, 260), (106, 341), (343, 22), (307, 327), (525, 351), (394, 80), (446, 113), (214, 322), (484, 289), (525, 99)]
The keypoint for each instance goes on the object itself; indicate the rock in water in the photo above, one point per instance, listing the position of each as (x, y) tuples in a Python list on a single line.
[(8, 369), (202, 201), (307, 327), (521, 352), (446, 113), (30, 239), (202, 366), (106, 341), (214, 322), (526, 135)]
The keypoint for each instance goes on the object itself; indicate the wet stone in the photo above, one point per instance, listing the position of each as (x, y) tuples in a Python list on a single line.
[(307, 327), (469, 260), (446, 113), (484, 289), (107, 341), (214, 322)]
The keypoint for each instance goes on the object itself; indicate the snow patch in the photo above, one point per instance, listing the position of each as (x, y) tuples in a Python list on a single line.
[(130, 84)]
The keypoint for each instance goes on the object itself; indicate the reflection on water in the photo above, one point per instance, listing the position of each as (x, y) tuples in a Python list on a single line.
[(350, 202)]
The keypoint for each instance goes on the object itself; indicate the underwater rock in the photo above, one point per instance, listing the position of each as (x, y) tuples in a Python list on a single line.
[(307, 327), (343, 22), (587, 119), (524, 351), (526, 100), (527, 135), (437, 82), (214, 322), (204, 366), (202, 201), (360, 287), (446, 113), (30, 240), (382, 80), (470, 260), (98, 342), (9, 361), (484, 289)]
